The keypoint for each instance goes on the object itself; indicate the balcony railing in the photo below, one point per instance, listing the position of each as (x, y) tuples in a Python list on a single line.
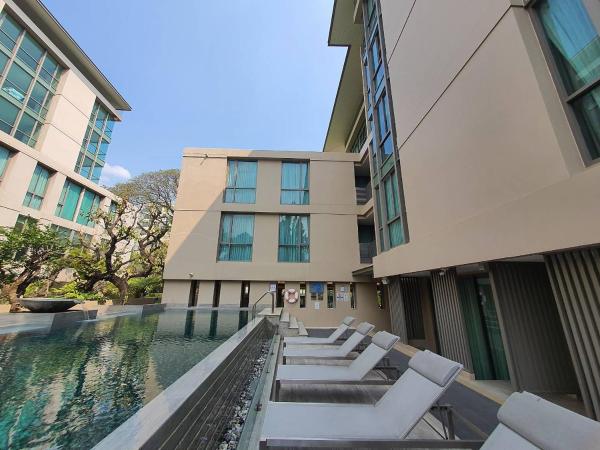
[(367, 251), (363, 194)]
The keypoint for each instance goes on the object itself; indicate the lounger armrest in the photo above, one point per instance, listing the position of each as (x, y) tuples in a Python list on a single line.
[(376, 443)]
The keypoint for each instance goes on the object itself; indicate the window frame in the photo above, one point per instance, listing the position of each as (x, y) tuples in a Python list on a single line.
[(235, 188), (567, 100), (298, 246), (32, 194), (300, 190), (229, 244)]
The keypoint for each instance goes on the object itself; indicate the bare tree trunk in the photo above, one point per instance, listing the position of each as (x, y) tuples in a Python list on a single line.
[(122, 286), (9, 291)]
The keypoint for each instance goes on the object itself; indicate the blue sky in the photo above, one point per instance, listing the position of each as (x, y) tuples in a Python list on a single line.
[(227, 73)]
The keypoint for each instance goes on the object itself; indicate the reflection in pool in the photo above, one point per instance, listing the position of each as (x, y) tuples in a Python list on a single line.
[(71, 387)]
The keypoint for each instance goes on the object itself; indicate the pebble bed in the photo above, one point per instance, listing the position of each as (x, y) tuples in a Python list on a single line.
[(232, 435)]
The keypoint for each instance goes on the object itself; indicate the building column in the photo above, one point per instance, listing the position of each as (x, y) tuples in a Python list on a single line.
[(449, 318), (575, 278), (536, 350)]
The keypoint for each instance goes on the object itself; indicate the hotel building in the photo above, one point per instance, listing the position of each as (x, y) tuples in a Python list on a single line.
[(57, 115), (456, 197)]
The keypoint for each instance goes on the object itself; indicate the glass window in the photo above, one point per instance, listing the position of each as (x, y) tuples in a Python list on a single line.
[(4, 156), (294, 183), (37, 188), (293, 239), (17, 83), (241, 182), (353, 304), (86, 166), (24, 221), (69, 198), (302, 295), (100, 118), (236, 237), (24, 87), (96, 172), (395, 227), (316, 291), (89, 204), (30, 52), (28, 130), (574, 42), (8, 115), (9, 32)]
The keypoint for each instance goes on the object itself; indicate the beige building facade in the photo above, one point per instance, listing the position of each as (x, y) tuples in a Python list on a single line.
[(481, 126), (207, 267), (57, 114)]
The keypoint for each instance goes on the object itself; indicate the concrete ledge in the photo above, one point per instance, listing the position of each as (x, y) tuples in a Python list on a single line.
[(157, 421)]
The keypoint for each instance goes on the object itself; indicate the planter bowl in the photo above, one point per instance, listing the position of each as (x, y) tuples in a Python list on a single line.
[(48, 305)]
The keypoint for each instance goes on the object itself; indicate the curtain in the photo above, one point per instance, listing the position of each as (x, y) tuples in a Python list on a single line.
[(237, 234), (70, 197), (391, 197), (241, 182), (37, 188), (86, 208), (574, 40), (293, 239), (294, 183), (4, 154), (396, 233)]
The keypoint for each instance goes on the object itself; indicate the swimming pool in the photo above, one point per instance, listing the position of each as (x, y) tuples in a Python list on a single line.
[(71, 387)]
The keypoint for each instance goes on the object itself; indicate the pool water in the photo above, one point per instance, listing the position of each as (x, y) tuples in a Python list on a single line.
[(69, 388)]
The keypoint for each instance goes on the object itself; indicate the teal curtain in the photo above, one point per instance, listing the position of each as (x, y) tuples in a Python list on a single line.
[(396, 233), (237, 235), (293, 239), (241, 182), (4, 155), (37, 188), (574, 40), (294, 183), (68, 200), (391, 197), (89, 205)]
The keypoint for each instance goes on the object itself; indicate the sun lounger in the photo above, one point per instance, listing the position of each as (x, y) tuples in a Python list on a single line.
[(337, 351), (528, 422), (390, 419), (304, 340), (380, 346)]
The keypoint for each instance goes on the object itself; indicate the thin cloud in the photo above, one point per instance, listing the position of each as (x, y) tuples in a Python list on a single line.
[(112, 175)]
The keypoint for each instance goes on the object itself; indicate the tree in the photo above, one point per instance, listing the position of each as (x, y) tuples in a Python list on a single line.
[(27, 255), (133, 244)]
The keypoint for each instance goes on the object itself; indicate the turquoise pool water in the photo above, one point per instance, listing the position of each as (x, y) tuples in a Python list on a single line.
[(69, 388)]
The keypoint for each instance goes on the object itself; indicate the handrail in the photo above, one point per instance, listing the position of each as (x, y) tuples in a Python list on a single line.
[(259, 299)]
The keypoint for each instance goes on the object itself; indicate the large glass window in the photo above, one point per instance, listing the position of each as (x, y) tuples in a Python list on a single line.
[(4, 156), (94, 148), (28, 79), (393, 212), (37, 188), (572, 35), (385, 163), (241, 182), (68, 201), (236, 237), (89, 204), (294, 239), (294, 183)]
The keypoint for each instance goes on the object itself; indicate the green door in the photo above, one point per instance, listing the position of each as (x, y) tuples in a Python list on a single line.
[(492, 328)]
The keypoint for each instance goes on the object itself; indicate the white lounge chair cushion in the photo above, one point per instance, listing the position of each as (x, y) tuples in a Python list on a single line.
[(348, 320), (384, 340), (321, 420), (365, 328), (434, 367), (333, 352), (504, 438), (307, 372), (545, 425)]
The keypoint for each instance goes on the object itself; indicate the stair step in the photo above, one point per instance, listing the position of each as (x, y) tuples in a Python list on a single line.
[(285, 317), (302, 329), (293, 323)]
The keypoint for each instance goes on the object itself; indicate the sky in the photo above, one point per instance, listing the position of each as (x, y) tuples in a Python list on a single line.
[(199, 73)]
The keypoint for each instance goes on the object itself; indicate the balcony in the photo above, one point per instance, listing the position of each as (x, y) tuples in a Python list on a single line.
[(363, 194), (367, 251)]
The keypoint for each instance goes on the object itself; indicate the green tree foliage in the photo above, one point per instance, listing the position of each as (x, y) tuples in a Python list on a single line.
[(33, 253), (135, 233)]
